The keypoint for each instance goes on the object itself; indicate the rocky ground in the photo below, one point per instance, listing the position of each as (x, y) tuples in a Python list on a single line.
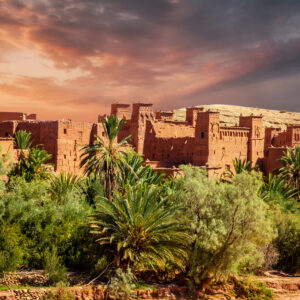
[(284, 287), (229, 115)]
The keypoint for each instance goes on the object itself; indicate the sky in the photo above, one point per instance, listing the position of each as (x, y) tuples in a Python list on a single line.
[(73, 58)]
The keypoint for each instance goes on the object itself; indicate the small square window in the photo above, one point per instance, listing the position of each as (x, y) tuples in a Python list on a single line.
[(65, 131), (65, 156), (202, 135)]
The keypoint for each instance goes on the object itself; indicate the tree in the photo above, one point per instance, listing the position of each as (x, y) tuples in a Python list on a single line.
[(32, 160), (4, 167), (140, 230), (23, 140), (277, 191), (33, 165), (106, 157), (291, 167), (136, 172), (239, 166), (64, 186), (228, 223)]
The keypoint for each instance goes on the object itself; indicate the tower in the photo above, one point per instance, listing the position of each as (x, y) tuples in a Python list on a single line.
[(122, 111), (256, 138), (141, 114), (207, 132)]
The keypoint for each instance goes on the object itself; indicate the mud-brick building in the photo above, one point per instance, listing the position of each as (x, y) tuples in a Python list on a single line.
[(63, 139), (200, 140)]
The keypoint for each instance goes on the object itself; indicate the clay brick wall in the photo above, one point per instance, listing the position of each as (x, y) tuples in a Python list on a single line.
[(6, 145), (141, 113), (122, 111), (11, 116), (31, 117), (164, 115), (169, 129), (233, 143), (278, 145), (256, 138), (43, 133), (280, 139), (192, 113), (7, 128), (293, 136), (72, 136), (273, 155), (270, 134), (206, 139), (164, 142)]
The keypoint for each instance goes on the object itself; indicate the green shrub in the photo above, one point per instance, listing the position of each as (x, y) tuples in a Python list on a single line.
[(228, 224), (122, 285), (10, 248), (54, 268), (252, 290), (288, 242), (44, 223), (61, 293)]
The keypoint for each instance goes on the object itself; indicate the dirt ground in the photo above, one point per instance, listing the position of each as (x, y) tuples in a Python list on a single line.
[(284, 286)]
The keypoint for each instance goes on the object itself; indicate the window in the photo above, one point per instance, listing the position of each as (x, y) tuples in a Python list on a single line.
[(65, 156), (153, 155), (6, 134), (202, 135), (65, 131), (103, 133)]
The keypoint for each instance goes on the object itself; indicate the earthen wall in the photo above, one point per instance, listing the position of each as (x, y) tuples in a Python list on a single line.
[(164, 115), (9, 116), (6, 145)]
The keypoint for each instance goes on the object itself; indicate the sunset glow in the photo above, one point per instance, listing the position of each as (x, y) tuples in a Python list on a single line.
[(72, 58)]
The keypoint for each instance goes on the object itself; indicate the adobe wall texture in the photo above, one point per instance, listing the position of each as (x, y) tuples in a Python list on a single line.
[(6, 116), (165, 143)]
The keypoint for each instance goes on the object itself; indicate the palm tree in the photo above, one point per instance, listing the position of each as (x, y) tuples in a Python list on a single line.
[(34, 166), (140, 229), (63, 186), (23, 140), (135, 172), (239, 166), (277, 191), (106, 158), (32, 160), (291, 167)]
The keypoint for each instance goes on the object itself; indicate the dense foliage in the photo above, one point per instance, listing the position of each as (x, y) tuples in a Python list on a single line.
[(125, 216), (228, 224)]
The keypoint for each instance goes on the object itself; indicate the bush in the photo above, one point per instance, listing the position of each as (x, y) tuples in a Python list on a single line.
[(228, 224), (122, 284), (10, 248), (288, 242), (43, 223), (60, 294), (53, 267), (252, 290)]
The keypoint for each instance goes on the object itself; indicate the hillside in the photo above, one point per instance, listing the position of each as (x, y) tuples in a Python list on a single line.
[(229, 115)]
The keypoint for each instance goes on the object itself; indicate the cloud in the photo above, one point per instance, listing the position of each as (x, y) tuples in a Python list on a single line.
[(170, 52)]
